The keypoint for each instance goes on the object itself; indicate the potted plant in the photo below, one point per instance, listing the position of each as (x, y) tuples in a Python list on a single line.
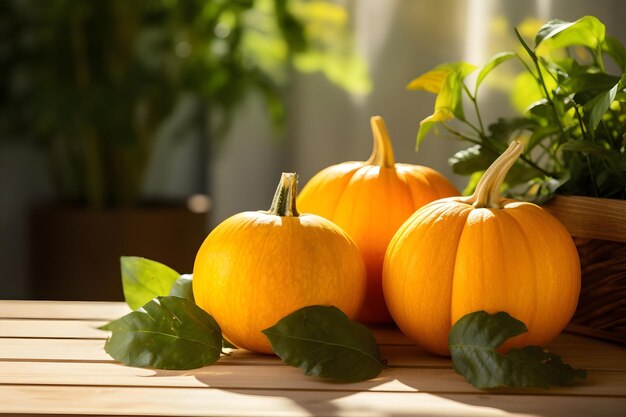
[(574, 131), (93, 82)]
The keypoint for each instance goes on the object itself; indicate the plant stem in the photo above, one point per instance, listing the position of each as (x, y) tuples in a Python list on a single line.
[(487, 193), (540, 79), (580, 123), (475, 103), (382, 153), (284, 202), (461, 135), (526, 66), (484, 144), (591, 175), (598, 57), (586, 137)]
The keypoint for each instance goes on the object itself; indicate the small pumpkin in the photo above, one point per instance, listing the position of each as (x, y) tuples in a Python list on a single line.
[(370, 200), (458, 255), (255, 268)]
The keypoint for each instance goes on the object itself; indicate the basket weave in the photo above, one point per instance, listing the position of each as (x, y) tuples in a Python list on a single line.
[(599, 230)]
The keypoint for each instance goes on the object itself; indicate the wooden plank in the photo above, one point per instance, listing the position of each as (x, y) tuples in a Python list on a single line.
[(88, 329), (295, 403), (93, 350), (52, 329), (577, 215), (595, 355), (599, 383), (69, 310)]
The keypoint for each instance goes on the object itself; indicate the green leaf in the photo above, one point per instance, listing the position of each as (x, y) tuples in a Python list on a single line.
[(474, 340), (586, 31), (547, 188), (470, 160), (450, 98), (166, 333), (431, 81), (616, 50), (496, 60), (143, 279), (541, 133), (599, 105), (578, 83), (447, 81), (613, 159), (183, 287), (227, 344), (324, 342), (428, 123)]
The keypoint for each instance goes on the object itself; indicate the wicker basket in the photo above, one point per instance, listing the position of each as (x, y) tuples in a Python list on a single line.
[(598, 226)]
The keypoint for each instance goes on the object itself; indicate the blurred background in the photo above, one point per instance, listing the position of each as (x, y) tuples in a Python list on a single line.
[(134, 127)]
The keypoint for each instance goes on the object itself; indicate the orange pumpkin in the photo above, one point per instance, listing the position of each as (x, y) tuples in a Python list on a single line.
[(370, 200), (255, 268), (463, 254)]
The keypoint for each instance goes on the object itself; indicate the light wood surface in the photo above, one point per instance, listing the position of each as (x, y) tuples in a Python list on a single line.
[(52, 361)]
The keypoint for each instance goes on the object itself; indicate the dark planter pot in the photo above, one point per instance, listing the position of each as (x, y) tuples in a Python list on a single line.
[(75, 252)]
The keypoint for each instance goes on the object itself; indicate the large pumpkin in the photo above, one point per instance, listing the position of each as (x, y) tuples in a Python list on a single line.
[(257, 267), (370, 200), (459, 255)]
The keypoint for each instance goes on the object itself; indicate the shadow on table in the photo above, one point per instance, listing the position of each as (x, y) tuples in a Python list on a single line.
[(313, 398), (320, 397)]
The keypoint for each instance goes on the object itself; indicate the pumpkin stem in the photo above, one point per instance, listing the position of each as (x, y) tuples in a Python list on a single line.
[(382, 154), (487, 193), (284, 202)]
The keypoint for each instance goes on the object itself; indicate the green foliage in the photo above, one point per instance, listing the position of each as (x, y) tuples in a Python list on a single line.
[(325, 342), (574, 120), (183, 288), (474, 341), (92, 80), (144, 279), (166, 333)]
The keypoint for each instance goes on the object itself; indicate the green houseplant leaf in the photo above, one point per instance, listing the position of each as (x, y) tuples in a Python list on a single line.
[(587, 81), (495, 60), (447, 82), (144, 279), (586, 31), (613, 47), (166, 333), (599, 105), (565, 95), (475, 158), (324, 342), (182, 287), (474, 340)]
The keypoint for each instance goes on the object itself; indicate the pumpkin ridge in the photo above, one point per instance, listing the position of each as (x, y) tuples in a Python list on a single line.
[(458, 239), (404, 173), (466, 212), (349, 227), (342, 192), (529, 249), (314, 191), (550, 222)]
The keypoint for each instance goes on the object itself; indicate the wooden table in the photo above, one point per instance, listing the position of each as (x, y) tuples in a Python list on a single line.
[(53, 362)]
